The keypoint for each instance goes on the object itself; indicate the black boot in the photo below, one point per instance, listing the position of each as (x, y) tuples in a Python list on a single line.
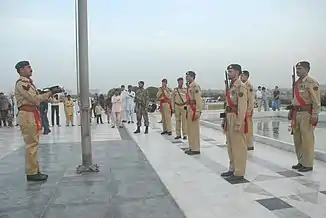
[(177, 137), (146, 130), (37, 177), (296, 167), (137, 130)]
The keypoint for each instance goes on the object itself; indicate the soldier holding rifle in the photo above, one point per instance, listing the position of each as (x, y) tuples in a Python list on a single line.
[(303, 114), (235, 124), (141, 104), (28, 102)]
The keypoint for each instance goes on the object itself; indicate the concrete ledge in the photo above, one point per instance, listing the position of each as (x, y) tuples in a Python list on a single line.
[(319, 155), (266, 114)]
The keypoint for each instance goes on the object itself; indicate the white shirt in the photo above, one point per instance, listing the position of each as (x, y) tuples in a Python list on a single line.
[(259, 94), (116, 103), (123, 99), (129, 100)]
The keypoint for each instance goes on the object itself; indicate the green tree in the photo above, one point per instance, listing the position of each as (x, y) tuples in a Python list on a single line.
[(152, 91)]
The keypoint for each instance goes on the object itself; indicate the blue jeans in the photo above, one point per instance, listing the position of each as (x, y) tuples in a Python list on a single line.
[(45, 122), (276, 104)]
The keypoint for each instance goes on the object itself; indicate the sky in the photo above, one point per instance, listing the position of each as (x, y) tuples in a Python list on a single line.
[(150, 40)]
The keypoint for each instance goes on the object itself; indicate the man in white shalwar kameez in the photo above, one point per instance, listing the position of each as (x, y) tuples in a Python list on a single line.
[(123, 104), (130, 95)]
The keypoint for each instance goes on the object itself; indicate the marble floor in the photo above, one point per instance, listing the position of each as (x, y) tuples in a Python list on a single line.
[(150, 176), (271, 188)]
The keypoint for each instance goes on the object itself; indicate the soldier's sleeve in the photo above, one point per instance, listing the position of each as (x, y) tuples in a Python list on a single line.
[(314, 91), (146, 98), (159, 93), (198, 99), (242, 104), (135, 98), (250, 98), (26, 91), (173, 98)]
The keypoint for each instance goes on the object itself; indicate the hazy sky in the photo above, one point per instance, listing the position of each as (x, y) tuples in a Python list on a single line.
[(148, 40)]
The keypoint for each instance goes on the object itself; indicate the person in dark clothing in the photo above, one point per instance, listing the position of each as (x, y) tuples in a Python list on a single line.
[(4, 107), (44, 117), (55, 110)]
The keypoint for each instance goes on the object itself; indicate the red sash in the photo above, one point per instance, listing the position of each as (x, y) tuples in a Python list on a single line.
[(301, 103), (36, 112), (230, 104), (165, 100), (191, 105)]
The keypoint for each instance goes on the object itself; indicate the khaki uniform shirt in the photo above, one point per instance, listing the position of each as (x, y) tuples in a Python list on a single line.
[(179, 97), (309, 91), (251, 96), (194, 92), (26, 93), (239, 98), (163, 91)]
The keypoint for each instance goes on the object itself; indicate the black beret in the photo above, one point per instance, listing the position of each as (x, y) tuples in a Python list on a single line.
[(304, 64), (141, 82), (191, 73), (234, 67), (164, 81), (179, 79), (245, 72), (21, 64)]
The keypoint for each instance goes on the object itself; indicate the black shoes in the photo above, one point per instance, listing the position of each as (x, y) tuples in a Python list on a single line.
[(138, 130), (184, 137), (190, 152), (177, 137), (302, 168), (250, 148), (164, 133), (296, 167), (37, 177), (227, 174)]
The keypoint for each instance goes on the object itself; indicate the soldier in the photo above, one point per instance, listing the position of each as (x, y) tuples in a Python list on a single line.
[(304, 116), (194, 108), (164, 95), (235, 124), (178, 106), (141, 103), (28, 101), (250, 109), (69, 109)]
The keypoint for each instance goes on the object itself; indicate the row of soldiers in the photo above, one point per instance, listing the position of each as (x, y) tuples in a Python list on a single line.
[(238, 125), (187, 105)]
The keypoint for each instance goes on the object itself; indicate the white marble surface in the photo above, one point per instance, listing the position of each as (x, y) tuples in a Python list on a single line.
[(195, 184)]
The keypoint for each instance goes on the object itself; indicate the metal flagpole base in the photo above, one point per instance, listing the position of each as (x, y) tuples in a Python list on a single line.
[(88, 169)]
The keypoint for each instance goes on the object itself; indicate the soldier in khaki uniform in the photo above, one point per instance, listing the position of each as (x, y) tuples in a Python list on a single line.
[(194, 108), (164, 95), (304, 116), (69, 109), (250, 104), (28, 101), (235, 124), (179, 105)]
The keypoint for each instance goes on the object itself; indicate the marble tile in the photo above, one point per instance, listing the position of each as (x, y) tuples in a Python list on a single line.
[(290, 213), (284, 187), (289, 173), (274, 204)]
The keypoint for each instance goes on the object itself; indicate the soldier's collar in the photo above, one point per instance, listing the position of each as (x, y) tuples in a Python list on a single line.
[(192, 84), (25, 79)]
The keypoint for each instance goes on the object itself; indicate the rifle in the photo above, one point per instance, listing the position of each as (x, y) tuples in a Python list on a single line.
[(47, 89), (293, 87), (226, 81)]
